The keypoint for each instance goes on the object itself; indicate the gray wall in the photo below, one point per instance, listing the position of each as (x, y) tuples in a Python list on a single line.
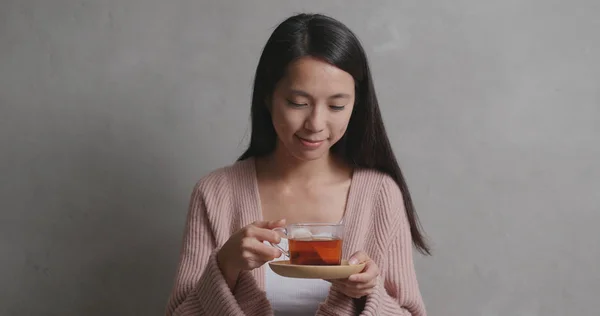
[(111, 110)]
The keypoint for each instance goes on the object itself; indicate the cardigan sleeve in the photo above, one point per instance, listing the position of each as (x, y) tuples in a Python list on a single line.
[(200, 288), (397, 292)]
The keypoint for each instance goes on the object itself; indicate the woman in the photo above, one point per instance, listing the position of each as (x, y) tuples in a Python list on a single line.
[(318, 153)]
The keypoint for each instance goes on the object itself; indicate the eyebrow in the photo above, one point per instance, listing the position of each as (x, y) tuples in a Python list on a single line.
[(306, 94)]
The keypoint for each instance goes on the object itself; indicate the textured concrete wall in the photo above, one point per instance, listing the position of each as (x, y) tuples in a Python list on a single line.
[(111, 110)]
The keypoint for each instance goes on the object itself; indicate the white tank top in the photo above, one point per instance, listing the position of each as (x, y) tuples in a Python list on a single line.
[(294, 297)]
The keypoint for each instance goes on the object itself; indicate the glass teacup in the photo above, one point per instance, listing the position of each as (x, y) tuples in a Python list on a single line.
[(313, 243)]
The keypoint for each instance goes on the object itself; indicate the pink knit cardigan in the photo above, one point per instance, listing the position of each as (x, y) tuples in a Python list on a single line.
[(227, 199)]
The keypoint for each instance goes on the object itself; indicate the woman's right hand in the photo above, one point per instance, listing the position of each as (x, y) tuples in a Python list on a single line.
[(245, 249)]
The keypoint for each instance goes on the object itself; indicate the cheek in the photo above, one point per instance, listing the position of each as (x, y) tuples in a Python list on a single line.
[(341, 126), (279, 124), (284, 121)]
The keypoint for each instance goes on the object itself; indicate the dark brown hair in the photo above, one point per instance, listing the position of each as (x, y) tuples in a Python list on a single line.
[(365, 143)]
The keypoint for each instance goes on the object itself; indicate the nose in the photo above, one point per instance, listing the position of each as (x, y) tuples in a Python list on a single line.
[(315, 121)]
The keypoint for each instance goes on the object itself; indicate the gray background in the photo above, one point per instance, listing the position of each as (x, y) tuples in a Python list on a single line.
[(111, 110)]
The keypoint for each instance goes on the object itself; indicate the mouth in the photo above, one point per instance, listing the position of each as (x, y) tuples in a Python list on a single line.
[(311, 143)]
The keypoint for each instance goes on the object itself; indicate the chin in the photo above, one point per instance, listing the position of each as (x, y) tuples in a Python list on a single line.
[(309, 155), (300, 153)]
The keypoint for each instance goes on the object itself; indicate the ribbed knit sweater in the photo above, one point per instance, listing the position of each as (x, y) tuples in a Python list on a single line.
[(228, 199)]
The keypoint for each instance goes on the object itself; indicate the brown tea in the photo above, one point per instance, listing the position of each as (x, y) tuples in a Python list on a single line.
[(316, 251)]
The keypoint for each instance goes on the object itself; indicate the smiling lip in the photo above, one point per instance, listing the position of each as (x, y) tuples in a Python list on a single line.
[(310, 143)]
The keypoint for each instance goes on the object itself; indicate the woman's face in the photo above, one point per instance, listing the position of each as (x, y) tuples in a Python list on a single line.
[(311, 107)]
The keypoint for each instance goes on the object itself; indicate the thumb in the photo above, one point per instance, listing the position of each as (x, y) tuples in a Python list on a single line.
[(277, 223), (358, 257), (260, 224), (269, 224)]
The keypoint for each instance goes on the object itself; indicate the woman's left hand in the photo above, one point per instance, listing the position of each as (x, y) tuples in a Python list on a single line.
[(361, 284)]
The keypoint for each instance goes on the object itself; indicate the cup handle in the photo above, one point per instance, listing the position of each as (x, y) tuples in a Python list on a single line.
[(283, 232)]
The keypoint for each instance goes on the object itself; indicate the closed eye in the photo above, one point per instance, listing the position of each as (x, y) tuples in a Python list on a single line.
[(337, 107), (294, 104)]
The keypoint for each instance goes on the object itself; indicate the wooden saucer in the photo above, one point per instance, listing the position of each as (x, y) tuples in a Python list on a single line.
[(285, 269)]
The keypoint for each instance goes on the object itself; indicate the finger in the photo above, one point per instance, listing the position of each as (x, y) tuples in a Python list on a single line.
[(269, 224), (275, 224), (370, 272), (352, 286), (366, 286), (358, 293), (362, 277), (339, 282), (259, 249), (363, 293), (262, 234), (358, 257)]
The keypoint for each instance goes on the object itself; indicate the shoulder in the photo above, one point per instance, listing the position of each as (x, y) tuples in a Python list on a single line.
[(223, 179), (381, 184), (214, 195), (388, 197)]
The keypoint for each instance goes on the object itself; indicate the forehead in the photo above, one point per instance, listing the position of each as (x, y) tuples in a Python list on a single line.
[(317, 77)]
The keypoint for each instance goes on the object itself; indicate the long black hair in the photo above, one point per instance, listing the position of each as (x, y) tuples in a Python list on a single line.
[(365, 143)]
